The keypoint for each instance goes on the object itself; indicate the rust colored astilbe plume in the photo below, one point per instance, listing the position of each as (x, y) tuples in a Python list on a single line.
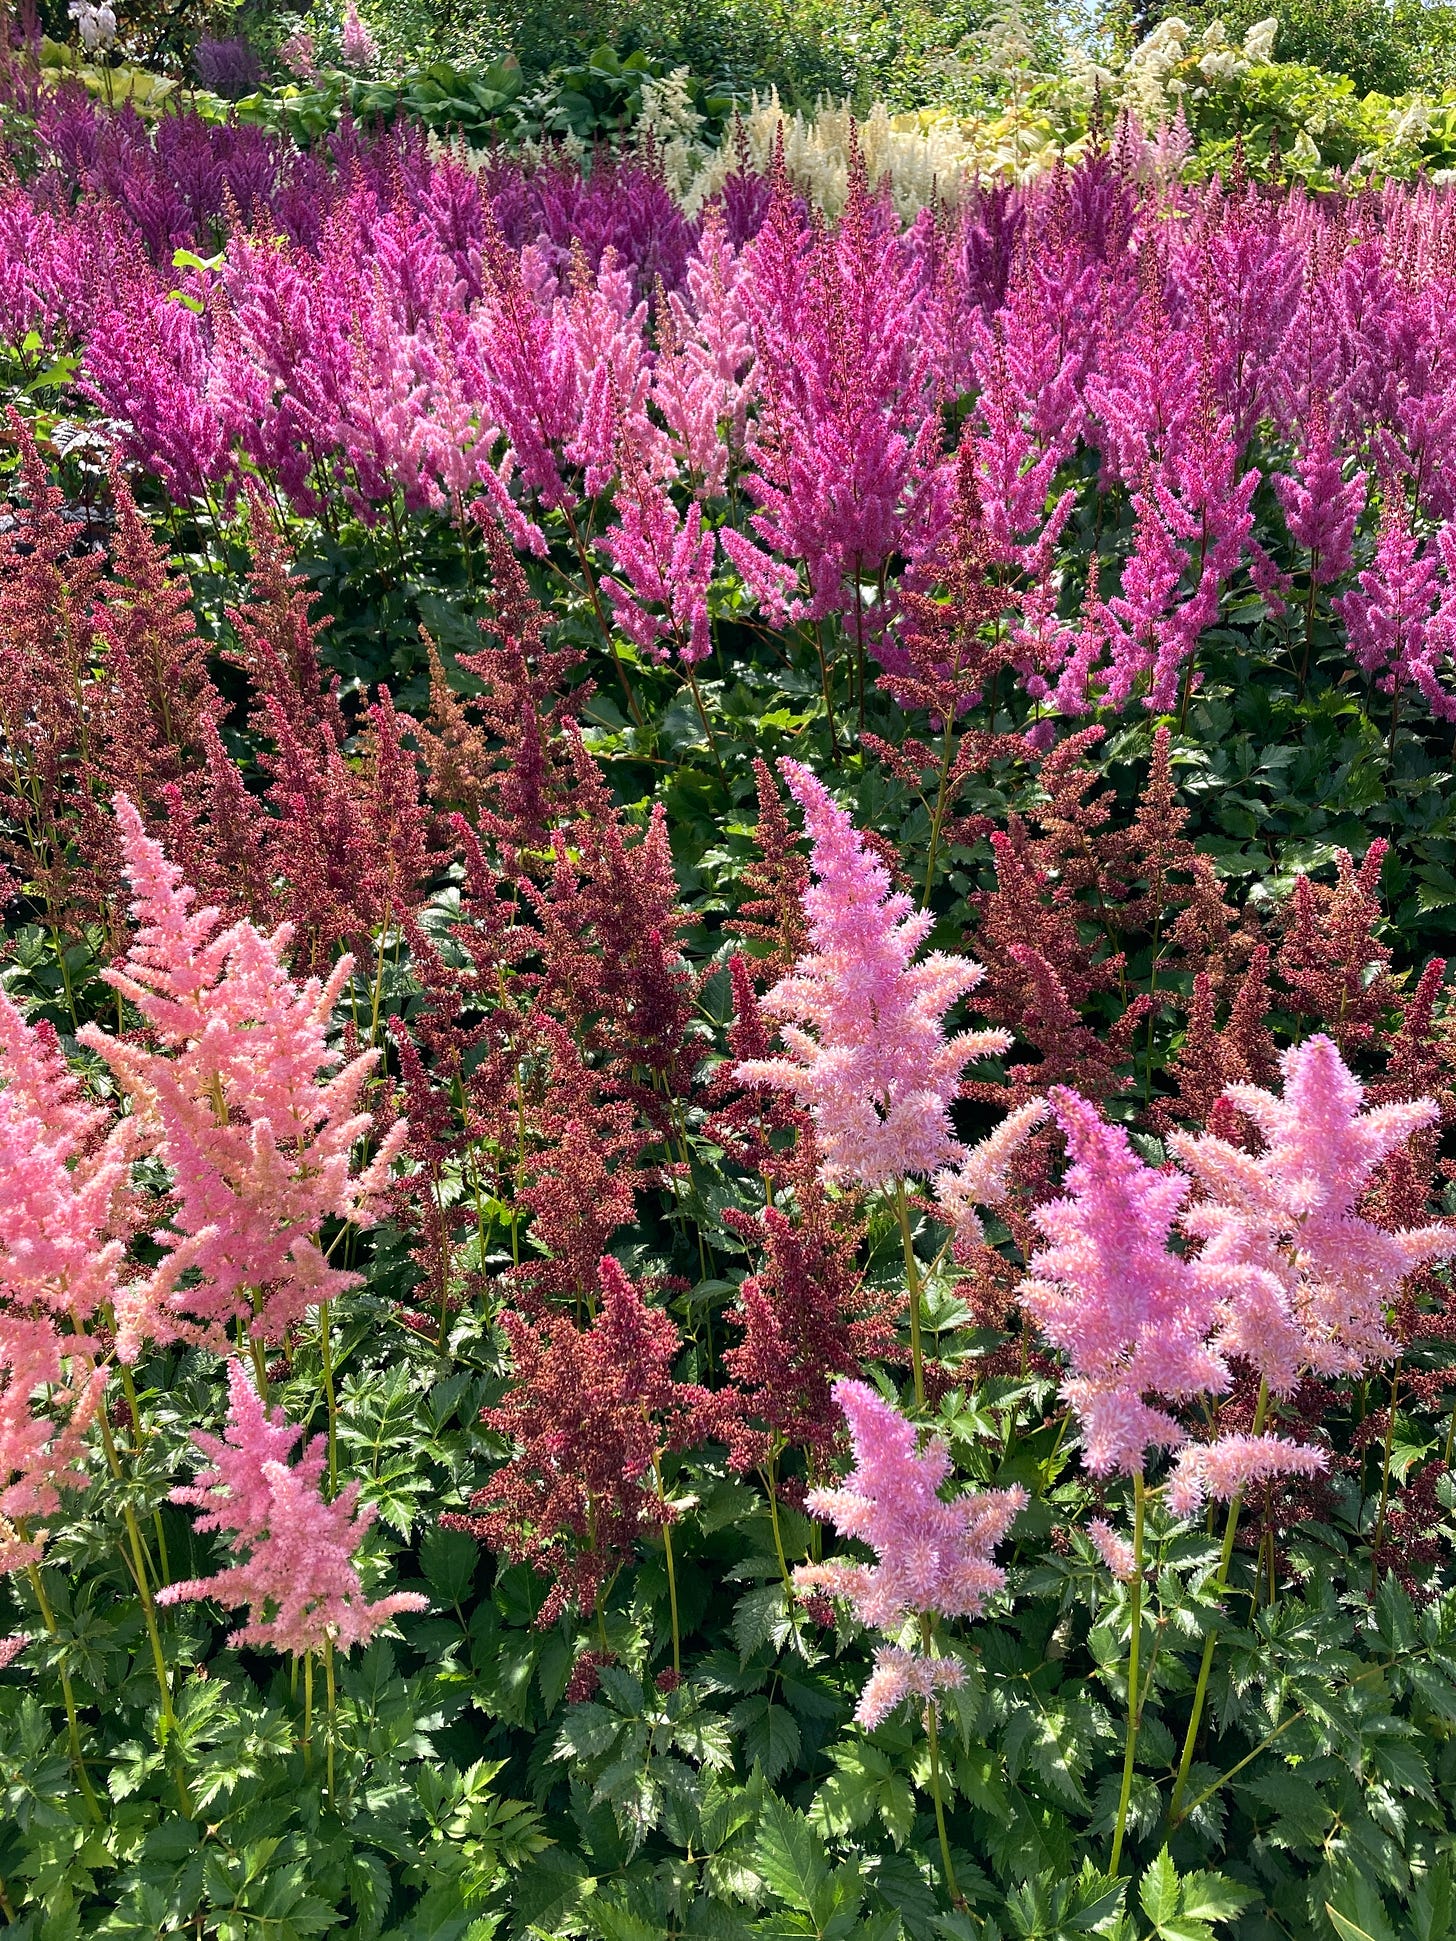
[(580, 1171), (1419, 1064), (1335, 967), (771, 917), (348, 839), (590, 1412), (501, 757), (157, 694), (1152, 860), (806, 1318), (1211, 1058), (610, 924), (278, 637), (1073, 822), (51, 828), (219, 834), (1070, 1051), (1209, 937)]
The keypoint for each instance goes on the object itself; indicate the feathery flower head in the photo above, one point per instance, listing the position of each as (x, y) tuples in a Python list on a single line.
[(1290, 1209), (234, 1103), (866, 1050), (931, 1556), (983, 1176), (1132, 1317), (298, 1578), (1223, 1469), (1115, 1551), (901, 1674)]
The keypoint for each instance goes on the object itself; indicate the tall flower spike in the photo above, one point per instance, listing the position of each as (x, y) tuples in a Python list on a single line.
[(1132, 1317), (298, 1578), (62, 1239), (233, 1102), (866, 1050), (932, 1557)]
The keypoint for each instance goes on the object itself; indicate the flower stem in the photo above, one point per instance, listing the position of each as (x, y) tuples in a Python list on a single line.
[(330, 1701), (1384, 1483), (932, 1732), (1220, 1582), (308, 1711), (1134, 1697), (671, 1576), (773, 1517), (73, 1724), (912, 1277), (326, 1356)]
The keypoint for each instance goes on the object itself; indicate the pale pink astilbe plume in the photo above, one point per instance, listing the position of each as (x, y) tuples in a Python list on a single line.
[(983, 1175), (866, 1050), (1115, 1551), (1225, 1468), (932, 1556), (298, 1579), (11, 1648), (238, 1103), (1291, 1208), (1132, 1317), (50, 1390), (358, 48), (901, 1674), (61, 1217)]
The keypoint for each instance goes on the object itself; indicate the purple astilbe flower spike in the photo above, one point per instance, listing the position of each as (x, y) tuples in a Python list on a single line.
[(865, 1045)]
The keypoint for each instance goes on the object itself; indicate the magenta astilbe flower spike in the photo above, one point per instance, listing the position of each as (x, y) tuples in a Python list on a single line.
[(933, 1557), (298, 1578), (862, 1023)]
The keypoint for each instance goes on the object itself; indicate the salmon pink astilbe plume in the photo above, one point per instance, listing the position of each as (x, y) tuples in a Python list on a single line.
[(61, 1245), (866, 1050), (234, 1104), (1292, 1206), (1224, 1469), (298, 1578), (932, 1557)]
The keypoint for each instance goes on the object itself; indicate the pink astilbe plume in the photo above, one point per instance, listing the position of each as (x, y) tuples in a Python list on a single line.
[(1291, 1207), (866, 1050), (1115, 1551), (1224, 1469), (932, 1556), (297, 1577), (983, 1177), (234, 1103), (1132, 1317), (62, 1240)]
